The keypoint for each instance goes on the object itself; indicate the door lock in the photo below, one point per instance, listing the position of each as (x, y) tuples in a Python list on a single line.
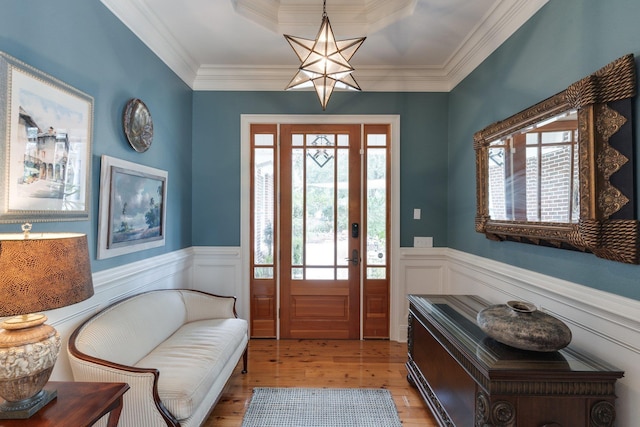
[(355, 259)]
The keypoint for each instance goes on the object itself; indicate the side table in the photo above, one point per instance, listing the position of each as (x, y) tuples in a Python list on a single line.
[(79, 404)]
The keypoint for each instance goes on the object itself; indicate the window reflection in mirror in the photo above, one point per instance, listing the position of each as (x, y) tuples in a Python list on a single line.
[(533, 173)]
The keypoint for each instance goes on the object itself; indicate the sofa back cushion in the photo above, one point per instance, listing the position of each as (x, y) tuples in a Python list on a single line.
[(127, 331)]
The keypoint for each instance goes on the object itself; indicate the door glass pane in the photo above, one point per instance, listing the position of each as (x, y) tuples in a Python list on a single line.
[(324, 151), (297, 273), (377, 273), (376, 140), (320, 248), (319, 273), (342, 223), (263, 193), (297, 206), (263, 272), (263, 139), (297, 140), (320, 217), (376, 207)]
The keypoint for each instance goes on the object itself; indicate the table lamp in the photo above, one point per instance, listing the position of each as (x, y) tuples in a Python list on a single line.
[(38, 272)]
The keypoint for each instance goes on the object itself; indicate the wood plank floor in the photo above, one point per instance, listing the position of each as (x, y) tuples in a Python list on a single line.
[(322, 363)]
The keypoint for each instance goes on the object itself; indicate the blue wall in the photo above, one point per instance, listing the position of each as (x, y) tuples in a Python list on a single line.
[(216, 155), (83, 44), (565, 41)]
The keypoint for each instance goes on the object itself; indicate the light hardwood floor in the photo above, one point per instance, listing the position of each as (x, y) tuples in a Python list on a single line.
[(322, 363)]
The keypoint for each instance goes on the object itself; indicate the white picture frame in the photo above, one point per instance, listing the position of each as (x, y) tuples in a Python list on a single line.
[(133, 205)]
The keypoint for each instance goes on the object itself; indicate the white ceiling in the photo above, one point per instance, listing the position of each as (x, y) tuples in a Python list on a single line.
[(411, 45)]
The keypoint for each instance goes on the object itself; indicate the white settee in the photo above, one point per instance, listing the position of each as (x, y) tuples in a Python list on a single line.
[(175, 348)]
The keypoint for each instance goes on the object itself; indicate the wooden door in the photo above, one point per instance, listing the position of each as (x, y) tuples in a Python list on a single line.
[(320, 231)]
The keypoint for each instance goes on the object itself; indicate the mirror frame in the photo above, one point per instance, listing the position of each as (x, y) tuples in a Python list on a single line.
[(607, 226)]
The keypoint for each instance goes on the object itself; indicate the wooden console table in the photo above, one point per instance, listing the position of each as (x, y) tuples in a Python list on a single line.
[(468, 379), (78, 404)]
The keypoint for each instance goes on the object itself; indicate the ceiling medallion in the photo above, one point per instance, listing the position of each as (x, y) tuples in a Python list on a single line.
[(325, 61)]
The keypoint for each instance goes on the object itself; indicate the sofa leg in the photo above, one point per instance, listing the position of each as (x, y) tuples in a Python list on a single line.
[(245, 360)]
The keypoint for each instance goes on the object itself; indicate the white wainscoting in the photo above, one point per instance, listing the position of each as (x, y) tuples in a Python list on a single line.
[(168, 271), (220, 271), (420, 271), (604, 325)]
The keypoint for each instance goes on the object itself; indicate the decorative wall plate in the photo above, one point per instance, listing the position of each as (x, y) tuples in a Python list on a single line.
[(138, 125)]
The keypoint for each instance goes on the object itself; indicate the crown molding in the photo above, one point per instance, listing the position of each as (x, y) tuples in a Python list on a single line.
[(497, 26), (499, 23), (142, 21)]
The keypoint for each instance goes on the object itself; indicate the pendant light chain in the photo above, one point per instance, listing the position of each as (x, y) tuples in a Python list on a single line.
[(324, 8)]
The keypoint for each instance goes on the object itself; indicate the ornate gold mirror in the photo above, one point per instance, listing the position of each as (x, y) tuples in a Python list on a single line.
[(561, 173)]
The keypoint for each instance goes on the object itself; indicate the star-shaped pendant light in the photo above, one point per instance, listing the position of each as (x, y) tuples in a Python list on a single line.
[(325, 61)]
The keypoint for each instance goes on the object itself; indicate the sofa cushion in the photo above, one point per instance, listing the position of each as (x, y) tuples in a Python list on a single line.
[(189, 361), (126, 332)]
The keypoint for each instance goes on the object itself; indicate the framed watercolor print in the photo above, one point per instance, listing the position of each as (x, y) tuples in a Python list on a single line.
[(133, 204), (45, 147)]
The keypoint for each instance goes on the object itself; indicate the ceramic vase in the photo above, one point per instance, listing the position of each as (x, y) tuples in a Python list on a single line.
[(521, 325)]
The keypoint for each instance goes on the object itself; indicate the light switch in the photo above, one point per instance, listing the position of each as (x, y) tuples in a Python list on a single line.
[(416, 213)]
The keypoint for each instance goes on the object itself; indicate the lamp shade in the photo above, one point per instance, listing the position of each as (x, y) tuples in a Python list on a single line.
[(43, 271)]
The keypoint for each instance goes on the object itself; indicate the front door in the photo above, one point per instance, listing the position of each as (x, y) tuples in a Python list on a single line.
[(320, 220), (320, 243)]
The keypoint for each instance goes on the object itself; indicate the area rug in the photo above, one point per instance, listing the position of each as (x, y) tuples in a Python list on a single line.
[(321, 407)]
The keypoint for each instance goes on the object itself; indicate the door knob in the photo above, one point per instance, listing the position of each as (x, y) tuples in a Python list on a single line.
[(355, 260)]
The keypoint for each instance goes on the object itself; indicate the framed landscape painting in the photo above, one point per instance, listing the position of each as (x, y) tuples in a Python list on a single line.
[(45, 147), (133, 202)]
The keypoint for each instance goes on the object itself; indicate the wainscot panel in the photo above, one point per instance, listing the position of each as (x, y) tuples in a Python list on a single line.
[(218, 270), (167, 271), (420, 271)]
